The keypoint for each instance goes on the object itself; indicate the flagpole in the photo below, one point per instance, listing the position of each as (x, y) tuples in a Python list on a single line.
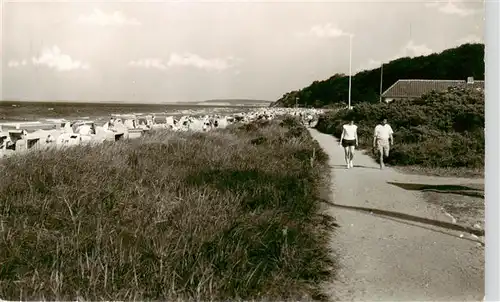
[(350, 69), (381, 78)]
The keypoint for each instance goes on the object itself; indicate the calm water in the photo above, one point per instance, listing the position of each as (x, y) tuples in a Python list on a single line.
[(38, 111)]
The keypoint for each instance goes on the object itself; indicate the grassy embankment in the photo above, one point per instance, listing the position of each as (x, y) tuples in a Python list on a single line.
[(438, 134), (225, 215)]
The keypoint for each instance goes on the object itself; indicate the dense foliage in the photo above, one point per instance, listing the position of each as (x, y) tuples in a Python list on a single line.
[(443, 129), (452, 64), (219, 216)]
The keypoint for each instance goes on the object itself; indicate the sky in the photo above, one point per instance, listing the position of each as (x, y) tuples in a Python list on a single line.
[(178, 51)]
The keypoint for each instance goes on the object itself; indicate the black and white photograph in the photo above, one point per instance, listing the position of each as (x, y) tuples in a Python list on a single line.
[(196, 150)]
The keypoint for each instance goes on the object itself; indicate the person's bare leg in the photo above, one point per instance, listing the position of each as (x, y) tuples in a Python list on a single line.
[(386, 151), (351, 156), (381, 154), (346, 153)]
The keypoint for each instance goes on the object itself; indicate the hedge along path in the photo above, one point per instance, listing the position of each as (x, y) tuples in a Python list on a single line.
[(391, 244)]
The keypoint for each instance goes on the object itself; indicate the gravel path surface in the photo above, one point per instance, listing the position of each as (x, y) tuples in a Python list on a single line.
[(392, 245)]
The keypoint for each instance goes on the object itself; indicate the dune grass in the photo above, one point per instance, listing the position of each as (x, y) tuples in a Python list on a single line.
[(230, 214)]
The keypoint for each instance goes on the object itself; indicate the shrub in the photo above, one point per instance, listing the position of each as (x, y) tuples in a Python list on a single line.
[(443, 129)]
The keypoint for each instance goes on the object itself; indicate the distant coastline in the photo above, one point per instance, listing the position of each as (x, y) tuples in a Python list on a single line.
[(212, 102)]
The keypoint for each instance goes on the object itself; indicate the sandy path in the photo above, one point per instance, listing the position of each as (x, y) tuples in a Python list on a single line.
[(386, 256)]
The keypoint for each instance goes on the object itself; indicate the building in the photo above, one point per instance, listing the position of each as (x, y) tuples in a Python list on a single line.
[(411, 89)]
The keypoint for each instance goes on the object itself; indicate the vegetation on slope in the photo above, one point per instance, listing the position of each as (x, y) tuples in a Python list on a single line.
[(443, 129), (224, 215), (452, 64)]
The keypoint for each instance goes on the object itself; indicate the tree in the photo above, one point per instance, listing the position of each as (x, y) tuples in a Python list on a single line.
[(452, 64)]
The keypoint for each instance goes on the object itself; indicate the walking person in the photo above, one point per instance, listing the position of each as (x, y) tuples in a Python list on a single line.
[(349, 140), (383, 140), (309, 119)]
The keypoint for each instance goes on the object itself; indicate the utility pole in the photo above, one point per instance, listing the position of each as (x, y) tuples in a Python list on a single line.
[(381, 79), (350, 68)]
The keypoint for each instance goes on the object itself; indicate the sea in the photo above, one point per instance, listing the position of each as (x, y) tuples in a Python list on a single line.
[(12, 111)]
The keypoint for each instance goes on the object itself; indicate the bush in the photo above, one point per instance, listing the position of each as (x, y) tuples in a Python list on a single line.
[(443, 129), (169, 216)]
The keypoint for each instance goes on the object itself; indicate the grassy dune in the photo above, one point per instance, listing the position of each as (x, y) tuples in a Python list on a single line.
[(231, 214), (439, 133)]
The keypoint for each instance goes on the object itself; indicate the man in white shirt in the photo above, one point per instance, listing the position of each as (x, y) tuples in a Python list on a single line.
[(383, 140), (349, 140)]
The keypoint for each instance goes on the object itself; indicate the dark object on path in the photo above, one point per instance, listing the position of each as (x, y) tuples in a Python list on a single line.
[(450, 189)]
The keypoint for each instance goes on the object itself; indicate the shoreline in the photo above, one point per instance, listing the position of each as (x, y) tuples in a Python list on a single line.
[(21, 137), (102, 117)]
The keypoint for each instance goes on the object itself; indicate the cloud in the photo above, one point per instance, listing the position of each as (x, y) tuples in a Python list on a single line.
[(189, 59), (53, 58), (97, 17), (16, 63), (324, 31), (416, 49), (371, 64), (186, 60), (450, 8), (410, 49), (148, 63), (432, 4), (470, 39)]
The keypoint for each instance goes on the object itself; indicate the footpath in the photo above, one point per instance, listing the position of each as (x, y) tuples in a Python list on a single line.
[(392, 245)]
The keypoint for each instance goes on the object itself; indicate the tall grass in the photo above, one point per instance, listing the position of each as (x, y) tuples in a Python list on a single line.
[(444, 129), (231, 214)]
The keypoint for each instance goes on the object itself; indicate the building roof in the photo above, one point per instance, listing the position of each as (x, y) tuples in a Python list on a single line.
[(416, 88)]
